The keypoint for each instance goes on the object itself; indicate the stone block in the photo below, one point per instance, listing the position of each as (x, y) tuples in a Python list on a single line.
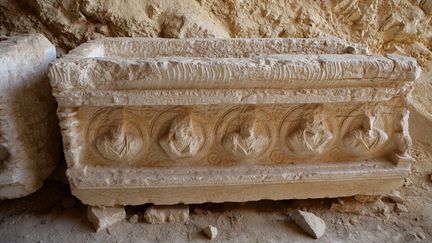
[(168, 121), (29, 132), (103, 217)]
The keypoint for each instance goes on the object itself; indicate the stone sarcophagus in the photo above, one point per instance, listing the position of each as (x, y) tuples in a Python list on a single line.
[(189, 121)]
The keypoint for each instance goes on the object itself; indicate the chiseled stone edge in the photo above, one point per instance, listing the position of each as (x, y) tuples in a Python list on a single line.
[(104, 177)]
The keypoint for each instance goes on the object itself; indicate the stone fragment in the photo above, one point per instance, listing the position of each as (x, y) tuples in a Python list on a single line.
[(421, 235), (103, 217), (159, 214), (400, 208), (134, 219), (310, 223), (210, 231), (68, 202), (395, 196), (29, 133)]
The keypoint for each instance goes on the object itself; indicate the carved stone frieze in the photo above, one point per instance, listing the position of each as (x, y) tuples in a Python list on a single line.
[(169, 121)]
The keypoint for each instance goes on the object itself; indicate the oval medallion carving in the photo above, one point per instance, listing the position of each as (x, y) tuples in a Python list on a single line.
[(368, 137), (120, 142), (184, 138), (246, 135)]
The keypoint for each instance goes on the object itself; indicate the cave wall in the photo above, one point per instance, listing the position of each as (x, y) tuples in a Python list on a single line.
[(390, 26)]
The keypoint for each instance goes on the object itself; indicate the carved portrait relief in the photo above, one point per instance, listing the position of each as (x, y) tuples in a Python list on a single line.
[(245, 133), (368, 136), (117, 135), (184, 137), (307, 131), (312, 137), (251, 138), (119, 142)]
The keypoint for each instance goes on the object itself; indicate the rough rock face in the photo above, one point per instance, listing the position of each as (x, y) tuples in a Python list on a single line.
[(29, 134), (386, 26)]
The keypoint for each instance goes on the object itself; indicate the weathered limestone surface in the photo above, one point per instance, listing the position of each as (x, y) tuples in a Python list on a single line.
[(103, 217), (159, 214), (195, 120), (29, 133)]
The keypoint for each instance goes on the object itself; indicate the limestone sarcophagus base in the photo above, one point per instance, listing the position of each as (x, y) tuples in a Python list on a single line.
[(170, 121), (30, 145)]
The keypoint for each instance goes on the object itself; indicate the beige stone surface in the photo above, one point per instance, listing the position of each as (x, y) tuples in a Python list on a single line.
[(310, 223), (103, 217), (202, 119), (210, 231), (157, 214), (29, 133)]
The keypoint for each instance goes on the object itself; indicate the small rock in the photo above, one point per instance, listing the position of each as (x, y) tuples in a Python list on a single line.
[(310, 223), (134, 219), (103, 217), (421, 235), (157, 214), (395, 196), (430, 178), (353, 221), (400, 208), (68, 202), (210, 231)]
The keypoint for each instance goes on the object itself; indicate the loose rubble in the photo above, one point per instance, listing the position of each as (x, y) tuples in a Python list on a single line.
[(210, 231), (310, 223), (400, 208), (103, 217), (395, 196), (134, 219), (158, 214)]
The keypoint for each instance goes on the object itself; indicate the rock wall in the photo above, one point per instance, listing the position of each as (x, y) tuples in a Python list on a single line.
[(403, 26)]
